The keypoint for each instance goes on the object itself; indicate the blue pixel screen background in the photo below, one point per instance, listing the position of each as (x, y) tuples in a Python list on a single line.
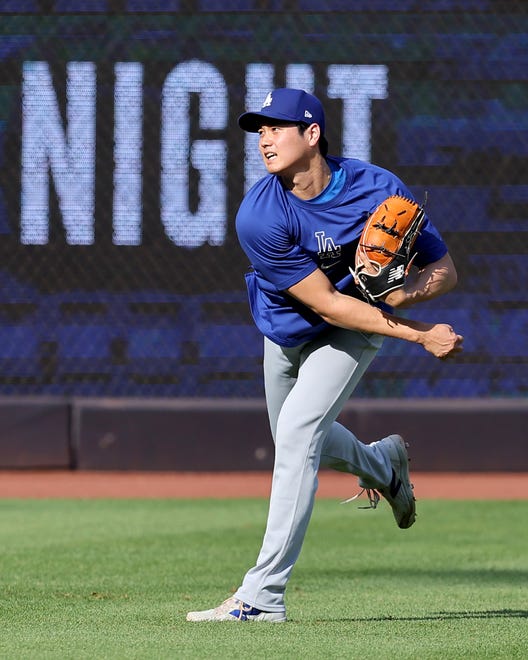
[(121, 169)]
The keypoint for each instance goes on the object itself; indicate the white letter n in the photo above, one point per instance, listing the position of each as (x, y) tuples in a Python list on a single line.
[(70, 157)]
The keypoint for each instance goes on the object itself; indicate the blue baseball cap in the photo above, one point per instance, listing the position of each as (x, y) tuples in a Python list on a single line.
[(285, 104)]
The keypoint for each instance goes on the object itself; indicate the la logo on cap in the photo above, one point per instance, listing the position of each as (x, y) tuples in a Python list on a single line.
[(267, 102)]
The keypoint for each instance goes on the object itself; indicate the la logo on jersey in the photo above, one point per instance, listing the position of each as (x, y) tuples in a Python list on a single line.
[(328, 252)]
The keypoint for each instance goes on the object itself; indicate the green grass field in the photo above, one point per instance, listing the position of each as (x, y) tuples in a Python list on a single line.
[(114, 579)]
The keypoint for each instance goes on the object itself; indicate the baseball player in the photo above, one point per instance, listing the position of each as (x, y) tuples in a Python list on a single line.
[(299, 227)]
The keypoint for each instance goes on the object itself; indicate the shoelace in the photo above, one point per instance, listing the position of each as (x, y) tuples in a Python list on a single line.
[(373, 497), (231, 604)]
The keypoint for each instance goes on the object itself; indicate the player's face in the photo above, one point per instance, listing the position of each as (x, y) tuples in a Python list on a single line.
[(283, 149)]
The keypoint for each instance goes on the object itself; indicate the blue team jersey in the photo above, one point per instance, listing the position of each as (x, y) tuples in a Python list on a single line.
[(286, 238)]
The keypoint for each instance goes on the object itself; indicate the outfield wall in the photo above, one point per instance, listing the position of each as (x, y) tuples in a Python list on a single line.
[(467, 435)]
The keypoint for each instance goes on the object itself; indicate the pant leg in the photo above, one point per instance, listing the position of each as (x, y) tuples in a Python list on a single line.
[(306, 389), (342, 453), (281, 369)]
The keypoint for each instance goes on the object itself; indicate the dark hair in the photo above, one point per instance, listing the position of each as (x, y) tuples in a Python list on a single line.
[(323, 142)]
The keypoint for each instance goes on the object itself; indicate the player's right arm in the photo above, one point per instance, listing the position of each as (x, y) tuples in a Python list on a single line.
[(424, 284), (318, 294)]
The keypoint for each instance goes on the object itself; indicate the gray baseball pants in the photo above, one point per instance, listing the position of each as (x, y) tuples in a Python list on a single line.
[(306, 388)]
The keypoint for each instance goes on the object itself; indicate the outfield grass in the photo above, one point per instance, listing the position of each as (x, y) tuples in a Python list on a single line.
[(114, 579)]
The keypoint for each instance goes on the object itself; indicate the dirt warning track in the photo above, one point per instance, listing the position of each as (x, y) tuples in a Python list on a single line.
[(86, 484)]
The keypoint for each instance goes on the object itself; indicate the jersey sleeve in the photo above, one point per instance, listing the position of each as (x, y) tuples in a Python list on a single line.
[(429, 245), (269, 241)]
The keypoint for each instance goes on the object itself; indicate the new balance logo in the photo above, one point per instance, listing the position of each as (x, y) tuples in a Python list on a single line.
[(396, 273)]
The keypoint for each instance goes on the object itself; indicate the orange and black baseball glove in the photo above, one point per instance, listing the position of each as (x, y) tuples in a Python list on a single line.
[(383, 254)]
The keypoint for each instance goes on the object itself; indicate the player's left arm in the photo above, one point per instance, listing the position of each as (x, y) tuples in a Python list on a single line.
[(425, 283)]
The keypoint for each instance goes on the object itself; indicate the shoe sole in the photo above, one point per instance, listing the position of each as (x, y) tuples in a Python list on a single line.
[(256, 619), (211, 615)]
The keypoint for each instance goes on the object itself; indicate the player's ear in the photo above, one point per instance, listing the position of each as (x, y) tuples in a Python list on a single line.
[(314, 133)]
